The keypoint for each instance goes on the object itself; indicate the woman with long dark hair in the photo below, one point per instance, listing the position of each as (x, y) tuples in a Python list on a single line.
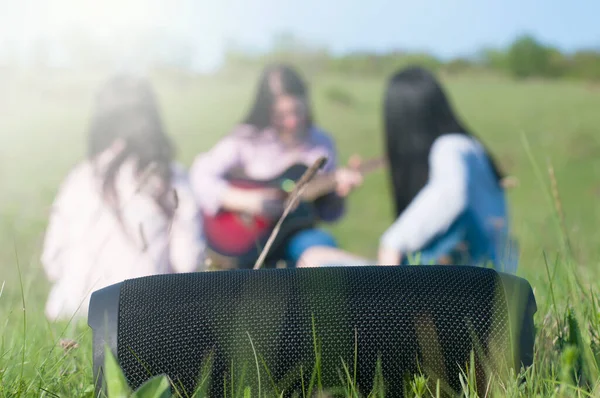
[(446, 187), (127, 210), (278, 131)]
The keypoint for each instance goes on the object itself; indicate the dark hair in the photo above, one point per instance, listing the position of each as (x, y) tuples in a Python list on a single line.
[(125, 108), (277, 79), (416, 113)]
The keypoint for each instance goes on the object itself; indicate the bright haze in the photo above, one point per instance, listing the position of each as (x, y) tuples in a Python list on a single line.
[(197, 31)]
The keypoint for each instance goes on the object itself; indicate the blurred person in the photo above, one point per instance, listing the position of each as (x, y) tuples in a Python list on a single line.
[(278, 131), (127, 211), (447, 189)]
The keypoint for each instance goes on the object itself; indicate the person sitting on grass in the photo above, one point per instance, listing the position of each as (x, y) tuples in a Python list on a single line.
[(447, 189), (278, 132), (126, 211)]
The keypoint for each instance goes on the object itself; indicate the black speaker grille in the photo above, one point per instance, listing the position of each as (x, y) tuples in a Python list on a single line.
[(410, 318)]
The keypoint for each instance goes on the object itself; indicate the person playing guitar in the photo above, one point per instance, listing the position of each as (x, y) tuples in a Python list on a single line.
[(278, 132)]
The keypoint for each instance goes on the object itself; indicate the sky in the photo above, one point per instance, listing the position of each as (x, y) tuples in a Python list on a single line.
[(447, 28)]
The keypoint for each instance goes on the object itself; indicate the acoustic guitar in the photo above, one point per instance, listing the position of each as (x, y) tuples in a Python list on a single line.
[(235, 240)]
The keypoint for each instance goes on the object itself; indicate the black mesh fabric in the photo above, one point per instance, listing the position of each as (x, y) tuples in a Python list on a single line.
[(409, 318)]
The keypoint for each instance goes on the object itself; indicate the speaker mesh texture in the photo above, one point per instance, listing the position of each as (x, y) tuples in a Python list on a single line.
[(409, 318)]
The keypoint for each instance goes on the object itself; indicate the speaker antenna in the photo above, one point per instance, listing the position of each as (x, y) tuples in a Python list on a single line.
[(290, 204)]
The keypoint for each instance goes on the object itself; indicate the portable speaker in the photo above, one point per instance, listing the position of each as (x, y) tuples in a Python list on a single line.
[(280, 328)]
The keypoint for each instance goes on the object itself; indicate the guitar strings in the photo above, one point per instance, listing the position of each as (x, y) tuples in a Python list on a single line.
[(305, 179)]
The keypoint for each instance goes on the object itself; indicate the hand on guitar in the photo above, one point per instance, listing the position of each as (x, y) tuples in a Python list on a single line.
[(266, 201), (349, 178)]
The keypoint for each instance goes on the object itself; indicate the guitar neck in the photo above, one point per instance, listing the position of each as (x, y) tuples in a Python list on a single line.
[(326, 183)]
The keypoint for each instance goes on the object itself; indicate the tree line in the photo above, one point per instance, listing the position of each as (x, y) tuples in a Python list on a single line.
[(525, 57)]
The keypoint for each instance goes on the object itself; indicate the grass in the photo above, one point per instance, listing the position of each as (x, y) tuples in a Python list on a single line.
[(531, 128)]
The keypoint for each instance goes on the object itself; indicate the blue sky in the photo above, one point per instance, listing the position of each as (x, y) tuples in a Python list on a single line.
[(445, 27)]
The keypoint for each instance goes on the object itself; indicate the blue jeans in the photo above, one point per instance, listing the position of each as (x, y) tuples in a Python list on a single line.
[(501, 252), (463, 230), (304, 240)]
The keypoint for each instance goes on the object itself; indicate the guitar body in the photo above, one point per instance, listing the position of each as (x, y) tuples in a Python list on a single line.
[(237, 239)]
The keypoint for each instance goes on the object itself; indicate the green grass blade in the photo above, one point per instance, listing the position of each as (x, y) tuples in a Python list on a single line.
[(156, 387), (116, 383)]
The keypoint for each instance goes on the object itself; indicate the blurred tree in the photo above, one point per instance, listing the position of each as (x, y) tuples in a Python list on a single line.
[(458, 65), (527, 58), (286, 47), (558, 63), (585, 64), (493, 59)]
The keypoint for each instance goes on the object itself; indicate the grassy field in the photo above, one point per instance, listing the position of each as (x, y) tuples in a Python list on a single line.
[(529, 126)]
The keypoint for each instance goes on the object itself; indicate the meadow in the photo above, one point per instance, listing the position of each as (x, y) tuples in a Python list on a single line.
[(546, 134)]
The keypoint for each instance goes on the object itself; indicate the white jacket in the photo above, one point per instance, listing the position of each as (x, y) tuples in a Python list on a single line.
[(86, 247)]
